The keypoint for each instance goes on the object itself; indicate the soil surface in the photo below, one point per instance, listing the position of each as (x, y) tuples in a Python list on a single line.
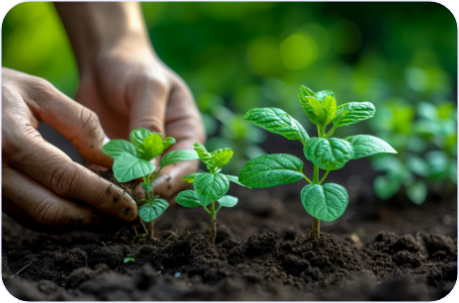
[(377, 250)]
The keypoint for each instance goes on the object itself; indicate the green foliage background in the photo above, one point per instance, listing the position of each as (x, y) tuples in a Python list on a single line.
[(246, 55)]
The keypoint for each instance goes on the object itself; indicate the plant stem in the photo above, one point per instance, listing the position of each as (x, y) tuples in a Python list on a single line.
[(323, 178), (151, 230), (213, 224), (315, 229)]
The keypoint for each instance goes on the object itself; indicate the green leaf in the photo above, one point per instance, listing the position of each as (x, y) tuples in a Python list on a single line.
[(153, 146), (177, 156), (189, 178), (116, 147), (228, 201), (353, 112), (235, 179), (328, 154), (203, 154), (210, 187), (137, 137), (366, 145), (168, 141), (277, 121), (324, 93), (128, 167), (271, 170), (188, 198), (417, 192), (325, 202), (221, 156), (418, 166), (385, 187), (150, 211), (127, 260), (319, 111)]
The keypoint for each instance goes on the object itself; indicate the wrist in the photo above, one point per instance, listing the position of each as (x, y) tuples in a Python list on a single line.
[(95, 29)]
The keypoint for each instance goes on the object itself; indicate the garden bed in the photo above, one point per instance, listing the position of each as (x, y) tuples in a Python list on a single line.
[(376, 251)]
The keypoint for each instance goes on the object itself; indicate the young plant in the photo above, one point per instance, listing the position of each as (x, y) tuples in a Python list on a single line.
[(133, 160), (327, 201), (210, 187)]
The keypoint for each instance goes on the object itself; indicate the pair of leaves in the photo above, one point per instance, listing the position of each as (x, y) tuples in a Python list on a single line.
[(214, 159), (132, 160), (190, 178), (277, 121), (334, 153), (151, 211), (325, 202), (320, 108), (149, 144), (189, 198)]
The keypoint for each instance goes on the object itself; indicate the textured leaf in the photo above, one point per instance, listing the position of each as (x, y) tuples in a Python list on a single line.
[(137, 137), (271, 170), (203, 154), (228, 201), (417, 192), (116, 147), (128, 167), (210, 187), (328, 110), (385, 187), (235, 179), (149, 212), (353, 112), (189, 178), (325, 202), (319, 111), (168, 141), (328, 154), (177, 156), (324, 93), (366, 145), (188, 198), (277, 121), (221, 156), (153, 146)]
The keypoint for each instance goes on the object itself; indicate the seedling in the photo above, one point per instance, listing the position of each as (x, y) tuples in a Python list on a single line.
[(328, 201), (133, 160), (127, 260), (106, 244), (210, 187)]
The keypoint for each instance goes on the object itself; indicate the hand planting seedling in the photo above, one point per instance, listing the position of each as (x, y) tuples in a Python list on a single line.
[(133, 160), (322, 201), (210, 187)]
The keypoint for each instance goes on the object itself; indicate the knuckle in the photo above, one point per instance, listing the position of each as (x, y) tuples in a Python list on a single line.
[(90, 123), (47, 212), (159, 84), (64, 179)]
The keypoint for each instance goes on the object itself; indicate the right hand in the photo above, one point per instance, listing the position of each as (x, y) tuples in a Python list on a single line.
[(41, 184)]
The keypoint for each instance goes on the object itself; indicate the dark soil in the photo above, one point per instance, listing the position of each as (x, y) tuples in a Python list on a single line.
[(376, 251)]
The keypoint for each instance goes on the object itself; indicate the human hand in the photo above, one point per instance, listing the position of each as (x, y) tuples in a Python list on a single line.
[(128, 86), (40, 184)]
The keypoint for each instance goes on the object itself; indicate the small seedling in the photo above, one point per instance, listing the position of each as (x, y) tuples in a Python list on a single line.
[(133, 160), (328, 201), (127, 260), (210, 187), (106, 244)]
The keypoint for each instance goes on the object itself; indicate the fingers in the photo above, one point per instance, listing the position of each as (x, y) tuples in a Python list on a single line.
[(30, 202), (183, 122), (75, 122), (53, 169), (147, 97)]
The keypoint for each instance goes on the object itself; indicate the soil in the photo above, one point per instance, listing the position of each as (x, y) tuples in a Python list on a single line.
[(378, 250)]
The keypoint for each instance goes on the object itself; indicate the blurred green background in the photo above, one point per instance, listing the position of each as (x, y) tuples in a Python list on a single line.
[(236, 56)]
